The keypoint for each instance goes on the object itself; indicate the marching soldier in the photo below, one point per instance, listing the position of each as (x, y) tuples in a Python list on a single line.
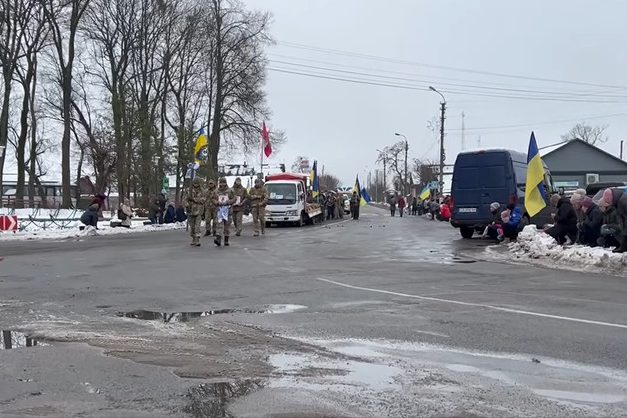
[(258, 199), (210, 211), (195, 207), (238, 207), (223, 198)]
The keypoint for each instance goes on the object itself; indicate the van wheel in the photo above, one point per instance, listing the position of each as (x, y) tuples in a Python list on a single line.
[(466, 232), (268, 224)]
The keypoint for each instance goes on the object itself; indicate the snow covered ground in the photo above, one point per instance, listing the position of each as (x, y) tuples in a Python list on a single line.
[(35, 231), (539, 248)]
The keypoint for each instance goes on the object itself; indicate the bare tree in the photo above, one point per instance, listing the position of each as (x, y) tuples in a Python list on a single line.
[(425, 171), (34, 37), (110, 25), (328, 181), (64, 17), (591, 134), (395, 161), (236, 76), (13, 17)]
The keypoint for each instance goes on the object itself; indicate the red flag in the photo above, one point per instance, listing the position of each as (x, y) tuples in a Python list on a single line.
[(267, 147)]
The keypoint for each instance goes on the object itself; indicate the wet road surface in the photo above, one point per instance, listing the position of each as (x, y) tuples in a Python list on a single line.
[(385, 316)]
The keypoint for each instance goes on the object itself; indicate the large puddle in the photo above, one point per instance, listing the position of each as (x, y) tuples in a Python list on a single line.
[(188, 316)]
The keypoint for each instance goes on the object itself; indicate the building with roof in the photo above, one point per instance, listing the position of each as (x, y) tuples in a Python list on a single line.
[(576, 164)]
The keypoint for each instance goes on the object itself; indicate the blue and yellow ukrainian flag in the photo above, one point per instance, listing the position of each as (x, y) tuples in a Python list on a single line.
[(426, 193), (534, 190), (200, 149), (357, 188), (314, 181)]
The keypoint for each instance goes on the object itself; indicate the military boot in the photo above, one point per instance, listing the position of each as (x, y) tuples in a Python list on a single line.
[(226, 241), (218, 240)]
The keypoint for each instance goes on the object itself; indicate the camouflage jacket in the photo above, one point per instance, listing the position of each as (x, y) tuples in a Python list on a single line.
[(240, 195), (222, 197), (196, 200), (258, 197), (209, 193)]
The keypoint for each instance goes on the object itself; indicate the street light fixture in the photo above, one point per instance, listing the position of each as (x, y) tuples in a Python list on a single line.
[(442, 153), (406, 149)]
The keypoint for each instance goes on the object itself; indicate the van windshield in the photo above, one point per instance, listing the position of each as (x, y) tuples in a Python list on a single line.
[(281, 194)]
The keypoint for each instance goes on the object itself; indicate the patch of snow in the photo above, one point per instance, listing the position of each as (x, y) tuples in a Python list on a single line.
[(540, 248)]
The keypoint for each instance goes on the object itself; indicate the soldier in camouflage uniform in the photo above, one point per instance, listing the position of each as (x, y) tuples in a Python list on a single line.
[(223, 198), (195, 207), (210, 211), (258, 197), (238, 207)]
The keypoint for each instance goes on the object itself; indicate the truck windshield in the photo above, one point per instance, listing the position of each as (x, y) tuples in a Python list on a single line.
[(281, 194)]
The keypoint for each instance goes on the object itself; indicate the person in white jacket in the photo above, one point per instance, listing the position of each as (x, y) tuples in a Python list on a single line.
[(125, 213)]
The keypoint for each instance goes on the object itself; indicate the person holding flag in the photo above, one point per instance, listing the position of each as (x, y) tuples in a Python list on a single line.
[(357, 199)]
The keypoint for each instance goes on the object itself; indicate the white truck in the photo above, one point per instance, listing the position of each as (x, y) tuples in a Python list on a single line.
[(287, 200)]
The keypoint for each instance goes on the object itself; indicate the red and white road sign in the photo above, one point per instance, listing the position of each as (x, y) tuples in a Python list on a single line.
[(8, 223)]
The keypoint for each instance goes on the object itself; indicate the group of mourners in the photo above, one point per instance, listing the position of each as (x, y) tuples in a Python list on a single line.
[(333, 204), (436, 207), (221, 205), (581, 220)]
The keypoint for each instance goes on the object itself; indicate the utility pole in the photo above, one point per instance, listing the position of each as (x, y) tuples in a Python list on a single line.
[(463, 132), (406, 149), (442, 152)]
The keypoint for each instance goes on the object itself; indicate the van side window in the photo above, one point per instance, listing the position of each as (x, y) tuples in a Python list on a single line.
[(521, 173)]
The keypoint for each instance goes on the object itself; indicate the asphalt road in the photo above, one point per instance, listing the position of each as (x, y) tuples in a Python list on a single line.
[(384, 316)]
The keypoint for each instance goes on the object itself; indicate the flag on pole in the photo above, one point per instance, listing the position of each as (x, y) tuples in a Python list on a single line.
[(200, 149), (314, 181), (357, 188), (265, 137), (535, 197), (426, 193), (365, 196)]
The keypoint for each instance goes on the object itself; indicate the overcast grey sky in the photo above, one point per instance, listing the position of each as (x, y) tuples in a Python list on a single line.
[(341, 124)]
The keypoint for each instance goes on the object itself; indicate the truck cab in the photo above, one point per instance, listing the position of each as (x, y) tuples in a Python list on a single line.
[(286, 198)]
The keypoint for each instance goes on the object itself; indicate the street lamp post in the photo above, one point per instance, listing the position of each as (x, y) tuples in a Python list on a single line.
[(406, 149), (385, 184), (442, 153)]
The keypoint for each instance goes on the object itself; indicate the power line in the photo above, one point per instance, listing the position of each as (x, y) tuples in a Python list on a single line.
[(430, 82), (425, 88), (555, 122), (441, 67)]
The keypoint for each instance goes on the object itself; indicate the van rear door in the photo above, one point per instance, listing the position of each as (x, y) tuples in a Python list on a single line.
[(478, 180)]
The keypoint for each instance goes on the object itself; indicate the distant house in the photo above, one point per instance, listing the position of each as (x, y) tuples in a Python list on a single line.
[(575, 164)]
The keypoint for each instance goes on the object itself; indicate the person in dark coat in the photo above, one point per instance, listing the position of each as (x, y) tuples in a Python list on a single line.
[(90, 216), (181, 216), (401, 205), (99, 200), (170, 214), (618, 199), (161, 201), (590, 226), (414, 205), (392, 202), (611, 231), (565, 221), (355, 202)]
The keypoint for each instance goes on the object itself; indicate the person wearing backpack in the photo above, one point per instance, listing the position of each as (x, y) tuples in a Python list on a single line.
[(125, 214)]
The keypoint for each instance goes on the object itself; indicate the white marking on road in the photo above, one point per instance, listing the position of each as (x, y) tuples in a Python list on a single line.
[(478, 305)]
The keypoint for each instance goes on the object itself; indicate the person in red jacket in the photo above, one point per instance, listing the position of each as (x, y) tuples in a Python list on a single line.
[(401, 205), (445, 212)]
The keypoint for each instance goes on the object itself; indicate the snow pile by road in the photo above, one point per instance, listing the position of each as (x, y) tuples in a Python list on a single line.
[(539, 247), (73, 231)]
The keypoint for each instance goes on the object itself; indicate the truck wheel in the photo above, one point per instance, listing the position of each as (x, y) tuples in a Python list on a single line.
[(466, 232), (301, 222)]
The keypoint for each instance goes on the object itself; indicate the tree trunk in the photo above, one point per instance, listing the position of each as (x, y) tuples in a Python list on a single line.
[(4, 126), (33, 138), (65, 141)]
